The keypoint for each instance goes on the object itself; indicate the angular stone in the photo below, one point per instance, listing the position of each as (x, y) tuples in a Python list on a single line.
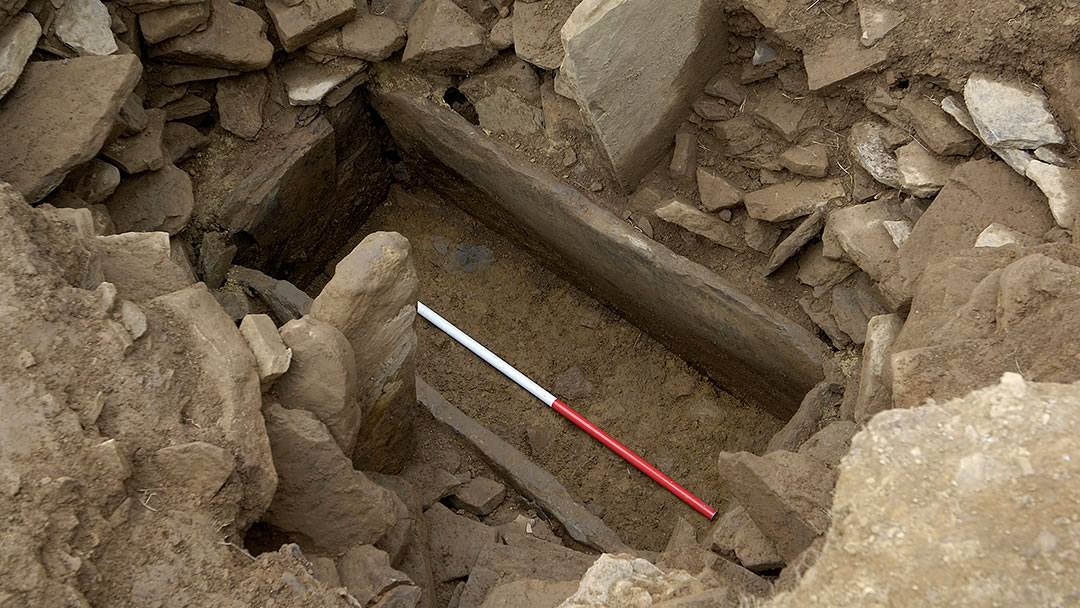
[(145, 6), (684, 157), (321, 378), (198, 467), (527, 478), (805, 421), (320, 498), (365, 571), (1009, 115), (783, 115), (162, 24), (305, 22), (17, 41), (935, 128), (632, 125), (432, 483), (159, 200), (702, 224), (716, 192), (215, 259), (502, 34), (228, 373), (535, 560), (760, 236), (270, 352), (714, 109), (849, 316), (537, 27), (140, 152), (1049, 155), (1000, 235), (479, 496), (867, 141), (875, 394), (737, 538), (838, 59), (140, 265), (372, 300), (84, 25), (1062, 189), (725, 87), (860, 232), (285, 301), (921, 173), (811, 160), (181, 140), (133, 116), (456, 542), (788, 496), (807, 230), (818, 271), (234, 39), (240, 103), (368, 37), (829, 445), (443, 37), (793, 199), (58, 118), (623, 580), (877, 21), (175, 75), (505, 112), (186, 107), (308, 82)]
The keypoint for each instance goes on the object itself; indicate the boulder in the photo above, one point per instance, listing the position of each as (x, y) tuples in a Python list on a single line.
[(228, 369), (793, 199), (678, 45), (299, 23), (320, 498), (372, 300), (321, 378), (162, 24), (153, 201), (234, 39), (270, 352), (368, 37), (59, 117), (702, 224), (786, 494), (455, 542), (536, 29), (1009, 115), (443, 37), (980, 519), (17, 41), (143, 151), (84, 26)]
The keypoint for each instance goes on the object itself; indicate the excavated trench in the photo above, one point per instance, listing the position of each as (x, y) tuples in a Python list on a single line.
[(656, 350)]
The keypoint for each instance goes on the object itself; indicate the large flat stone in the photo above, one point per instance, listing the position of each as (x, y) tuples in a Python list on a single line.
[(793, 199), (456, 542), (17, 41), (368, 37), (677, 46), (529, 479), (1009, 115), (309, 82), (747, 348), (298, 23), (443, 37), (838, 59), (83, 25), (58, 116), (234, 39)]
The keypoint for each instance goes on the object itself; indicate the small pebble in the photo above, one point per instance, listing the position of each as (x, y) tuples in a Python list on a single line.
[(596, 186)]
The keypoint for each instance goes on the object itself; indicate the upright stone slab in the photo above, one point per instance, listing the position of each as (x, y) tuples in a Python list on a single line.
[(372, 300), (677, 45), (59, 116)]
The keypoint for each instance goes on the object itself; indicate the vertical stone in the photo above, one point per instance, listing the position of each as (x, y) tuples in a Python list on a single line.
[(372, 300)]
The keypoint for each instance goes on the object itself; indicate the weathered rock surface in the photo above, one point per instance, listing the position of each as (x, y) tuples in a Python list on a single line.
[(271, 355), (372, 300), (240, 103), (83, 25), (683, 157), (143, 151), (186, 107), (321, 378), (829, 445), (807, 230), (17, 41), (309, 82), (805, 421), (622, 580), (716, 192), (869, 143), (368, 37), (993, 547), (93, 182), (1000, 235), (456, 542), (793, 199), (285, 300), (782, 114), (162, 24), (1008, 115), (935, 128), (811, 160), (1062, 189), (786, 494), (443, 37), (140, 265), (921, 173), (536, 28), (303, 22), (365, 571), (678, 45), (703, 224), (839, 59), (234, 39), (875, 392), (877, 21), (159, 200), (860, 232), (197, 467), (215, 258), (479, 496), (737, 538), (527, 478), (181, 141), (54, 121), (532, 561), (320, 498)]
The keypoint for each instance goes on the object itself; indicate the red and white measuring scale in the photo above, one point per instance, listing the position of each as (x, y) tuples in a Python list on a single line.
[(538, 391)]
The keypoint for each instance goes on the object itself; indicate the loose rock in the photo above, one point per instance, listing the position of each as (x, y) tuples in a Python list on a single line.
[(442, 36), (684, 158), (365, 571), (807, 230), (234, 39), (151, 201), (875, 394), (869, 145), (17, 42), (1000, 235), (877, 21), (1062, 189), (456, 542), (811, 160), (783, 115), (83, 25), (716, 192), (308, 82), (240, 104), (479, 497), (186, 107), (921, 173), (839, 59), (198, 467), (304, 22), (934, 127), (368, 37), (1010, 116), (536, 29), (181, 141), (688, 217), (271, 355), (143, 151), (162, 24), (792, 199), (760, 236)]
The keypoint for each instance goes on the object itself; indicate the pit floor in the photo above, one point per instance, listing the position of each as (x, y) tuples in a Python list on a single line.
[(601, 365)]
